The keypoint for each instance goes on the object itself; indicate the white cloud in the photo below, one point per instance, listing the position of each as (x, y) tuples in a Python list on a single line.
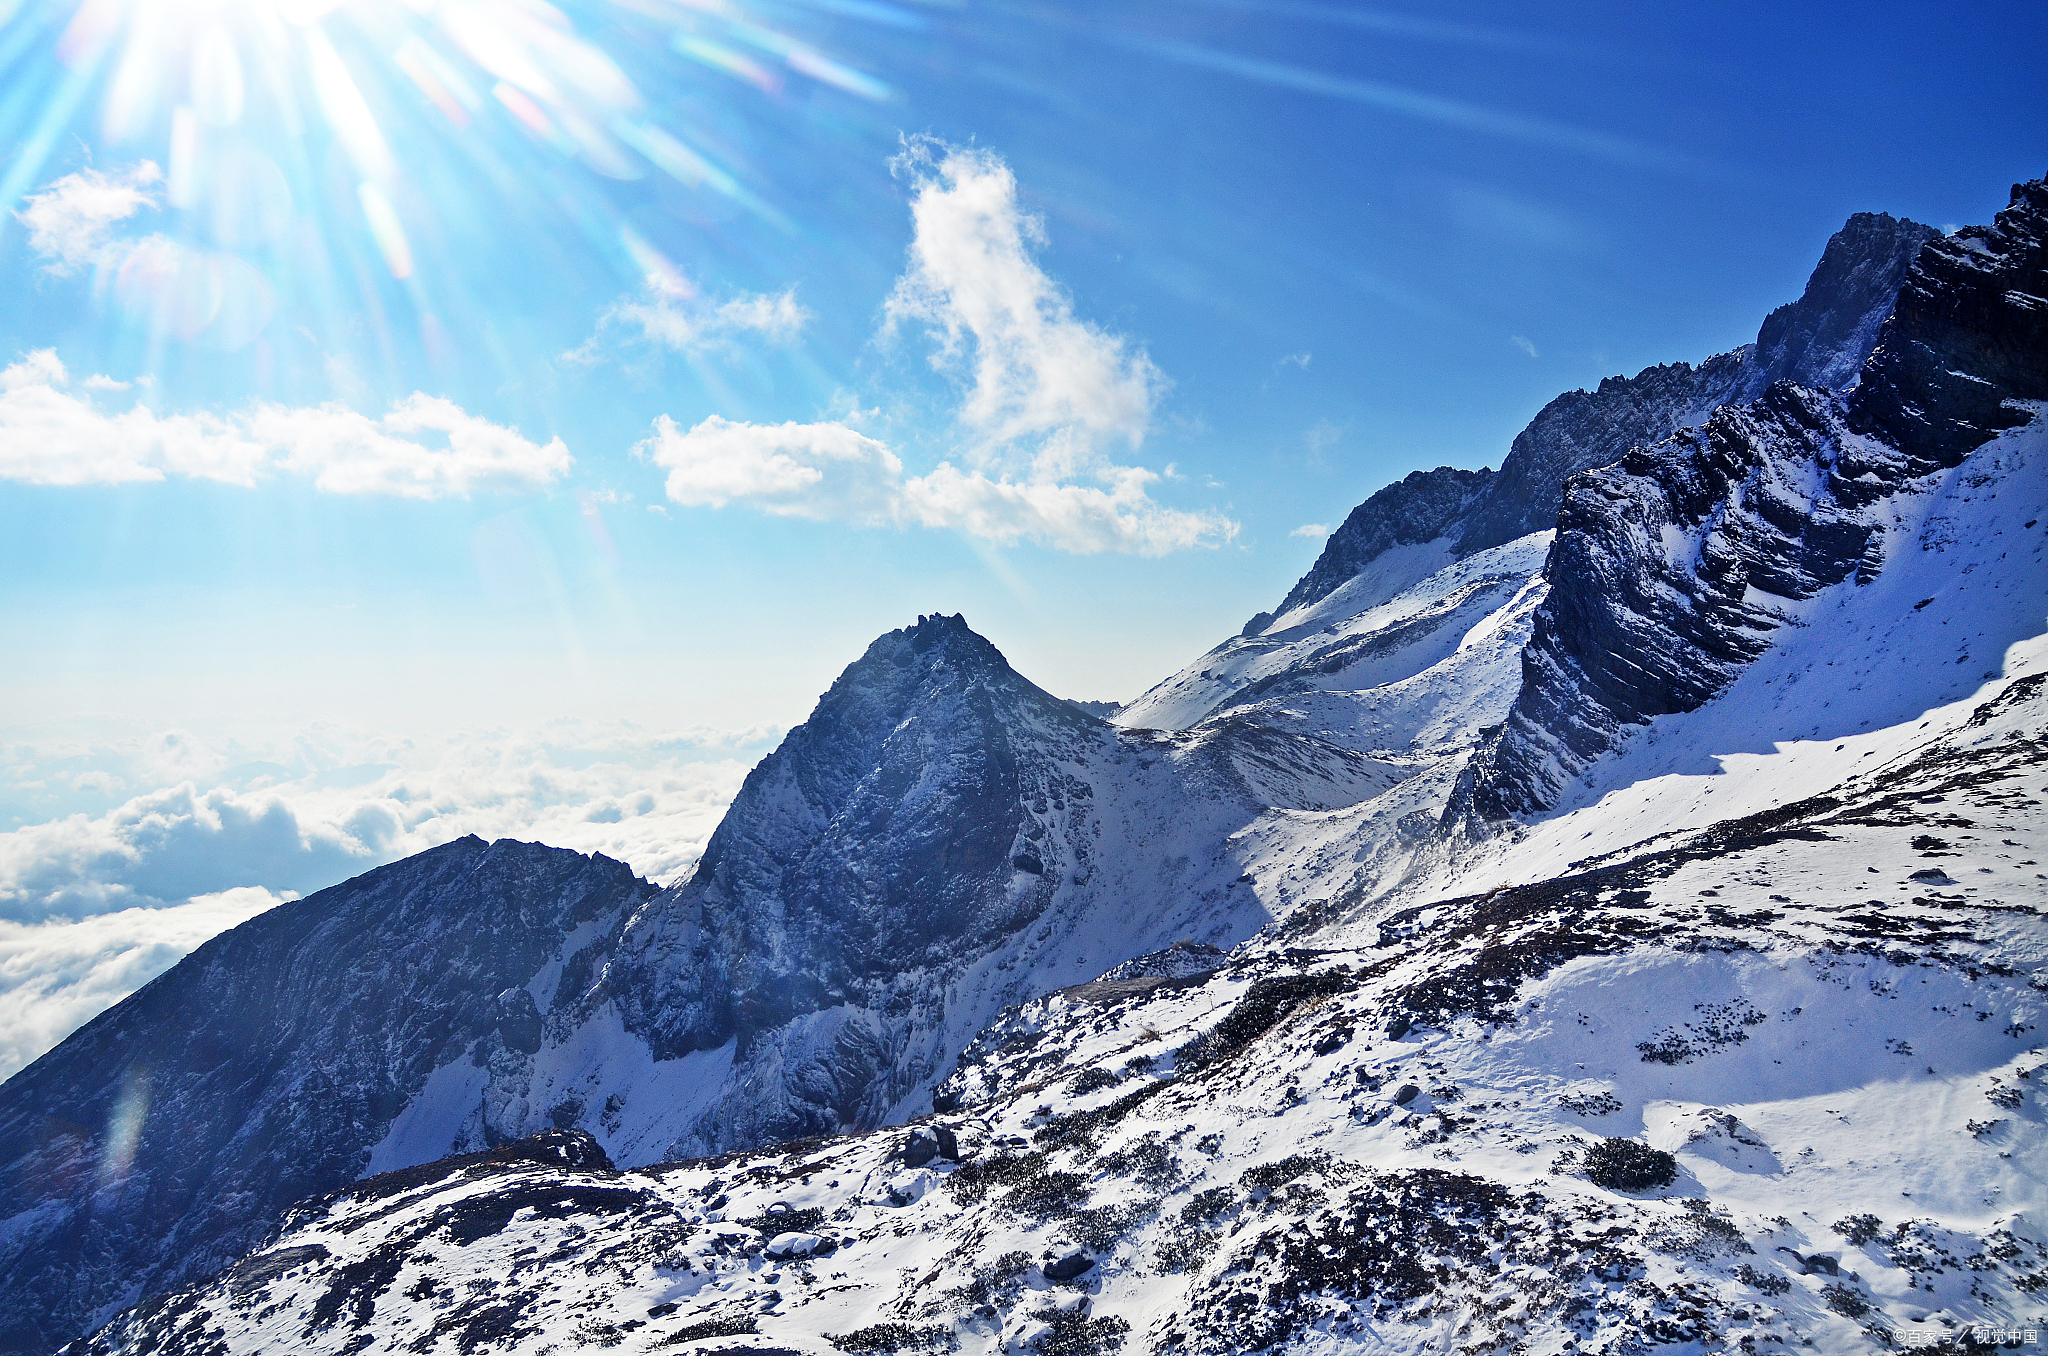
[(671, 312), (56, 976), (682, 321), (1523, 344), (423, 448), (796, 470), (1300, 360), (829, 471), (215, 815), (95, 901), (1041, 374), (69, 221), (1050, 394), (1317, 531), (1322, 435)]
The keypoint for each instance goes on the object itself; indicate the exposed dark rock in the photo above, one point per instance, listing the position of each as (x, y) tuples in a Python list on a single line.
[(880, 837), (1668, 566), (1424, 506), (924, 1143), (1969, 335), (1820, 340), (1065, 1262)]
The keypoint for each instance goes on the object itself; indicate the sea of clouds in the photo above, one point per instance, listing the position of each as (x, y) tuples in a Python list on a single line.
[(119, 855)]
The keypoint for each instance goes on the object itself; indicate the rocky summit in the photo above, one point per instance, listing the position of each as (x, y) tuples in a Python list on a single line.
[(1599, 910)]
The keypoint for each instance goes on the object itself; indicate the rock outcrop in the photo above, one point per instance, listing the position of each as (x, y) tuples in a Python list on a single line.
[(1673, 568), (1820, 340), (160, 1140)]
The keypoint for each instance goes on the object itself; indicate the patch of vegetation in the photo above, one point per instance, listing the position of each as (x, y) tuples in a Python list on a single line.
[(717, 1327), (1080, 1129), (785, 1222), (1273, 1176), (1000, 1282), (1395, 1237), (1590, 1104), (1093, 1079), (1859, 1229), (1186, 1247), (1627, 1165), (1100, 1229), (1075, 1334), (894, 1337), (1148, 1160), (973, 1180), (1264, 1006), (1764, 1282), (1845, 1301), (1047, 1195)]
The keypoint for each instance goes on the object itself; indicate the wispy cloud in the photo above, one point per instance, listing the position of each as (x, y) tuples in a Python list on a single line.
[(686, 322), (1049, 397), (1300, 360), (1410, 103), (671, 311), (1317, 531), (827, 471), (70, 222), (1042, 377), (424, 447), (1523, 344)]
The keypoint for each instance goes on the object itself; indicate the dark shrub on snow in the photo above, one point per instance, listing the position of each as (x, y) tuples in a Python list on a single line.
[(1626, 1165)]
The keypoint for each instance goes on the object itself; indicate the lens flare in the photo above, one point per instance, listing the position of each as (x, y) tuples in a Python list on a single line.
[(342, 158), (124, 1130)]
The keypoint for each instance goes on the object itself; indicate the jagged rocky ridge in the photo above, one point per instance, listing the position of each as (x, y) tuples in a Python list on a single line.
[(1419, 524), (1585, 1113), (165, 1136), (1673, 568)]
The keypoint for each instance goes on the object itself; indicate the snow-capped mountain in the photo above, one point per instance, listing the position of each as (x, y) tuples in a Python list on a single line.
[(940, 840), (1415, 526), (1622, 933)]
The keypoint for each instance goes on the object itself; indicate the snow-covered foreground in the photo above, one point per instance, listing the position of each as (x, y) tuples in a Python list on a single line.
[(1827, 1014)]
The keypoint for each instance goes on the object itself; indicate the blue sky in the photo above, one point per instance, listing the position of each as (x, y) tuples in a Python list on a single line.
[(1340, 241), (383, 375)]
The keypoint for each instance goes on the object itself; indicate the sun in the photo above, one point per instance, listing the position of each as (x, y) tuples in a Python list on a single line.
[(304, 139)]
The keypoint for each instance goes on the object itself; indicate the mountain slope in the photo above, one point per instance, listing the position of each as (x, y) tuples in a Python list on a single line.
[(1401, 534), (159, 1140), (1674, 568), (1575, 1112), (940, 839)]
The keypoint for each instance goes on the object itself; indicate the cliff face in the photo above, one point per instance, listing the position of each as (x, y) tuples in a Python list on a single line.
[(1673, 568), (941, 838), (900, 826), (1965, 342), (156, 1143), (1820, 340)]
